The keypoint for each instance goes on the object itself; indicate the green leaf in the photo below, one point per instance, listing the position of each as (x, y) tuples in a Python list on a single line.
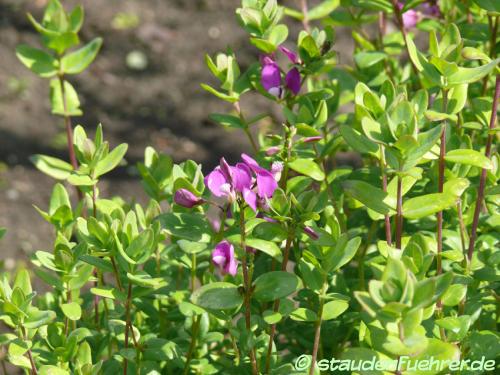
[(52, 370), (343, 252), (490, 5), (303, 315), (76, 62), (469, 157), (268, 247), (103, 264), (72, 107), (228, 98), (145, 280), (271, 317), (72, 310), (189, 226), (307, 167), (278, 34), (37, 318), (275, 285), (228, 121), (111, 293), (369, 195), (188, 309), (367, 59), (454, 294), (51, 166), (425, 205), (110, 161), (469, 75), (218, 296), (333, 309), (358, 141), (322, 10), (38, 61)]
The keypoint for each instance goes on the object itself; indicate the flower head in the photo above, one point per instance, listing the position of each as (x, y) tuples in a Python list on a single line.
[(185, 198), (224, 259), (410, 18), (247, 180)]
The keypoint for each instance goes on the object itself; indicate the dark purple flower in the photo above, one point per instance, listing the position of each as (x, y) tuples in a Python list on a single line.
[(271, 77), (292, 81), (185, 198), (431, 10), (292, 56), (311, 233), (223, 258)]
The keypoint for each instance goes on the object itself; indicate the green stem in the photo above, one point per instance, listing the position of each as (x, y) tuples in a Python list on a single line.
[(127, 324), (272, 333), (399, 213), (317, 329), (192, 346), (237, 107), (34, 371), (247, 285)]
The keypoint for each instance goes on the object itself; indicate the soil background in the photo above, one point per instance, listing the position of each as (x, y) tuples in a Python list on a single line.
[(161, 105)]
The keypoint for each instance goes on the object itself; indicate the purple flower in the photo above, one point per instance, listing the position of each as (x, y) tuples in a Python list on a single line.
[(292, 81), (240, 180), (292, 56), (410, 17), (223, 258), (312, 139), (311, 233), (273, 150), (271, 78), (266, 183), (185, 198), (431, 10)]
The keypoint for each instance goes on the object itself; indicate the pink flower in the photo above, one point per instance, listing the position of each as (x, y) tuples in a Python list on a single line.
[(410, 17), (224, 259), (241, 180), (185, 198)]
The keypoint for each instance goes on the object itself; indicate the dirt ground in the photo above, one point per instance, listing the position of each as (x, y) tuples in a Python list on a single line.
[(161, 105)]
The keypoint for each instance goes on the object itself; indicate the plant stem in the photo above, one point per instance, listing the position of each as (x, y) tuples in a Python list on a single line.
[(441, 168), (192, 346), (284, 264), (461, 224), (69, 133), (399, 213), (482, 180), (387, 218), (493, 27), (115, 271), (317, 329), (127, 324), (305, 11), (247, 285), (237, 107), (287, 150), (30, 355), (362, 254)]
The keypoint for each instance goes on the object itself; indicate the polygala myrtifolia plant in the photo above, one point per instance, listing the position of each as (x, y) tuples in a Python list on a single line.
[(282, 260)]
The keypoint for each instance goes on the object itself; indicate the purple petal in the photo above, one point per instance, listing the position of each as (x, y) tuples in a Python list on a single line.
[(266, 184), (311, 233), (242, 177), (223, 258), (273, 150), (225, 168), (312, 139), (215, 180), (270, 76), (292, 56), (292, 81), (252, 163), (185, 198), (251, 198)]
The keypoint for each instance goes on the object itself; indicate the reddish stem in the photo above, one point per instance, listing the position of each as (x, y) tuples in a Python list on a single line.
[(482, 180)]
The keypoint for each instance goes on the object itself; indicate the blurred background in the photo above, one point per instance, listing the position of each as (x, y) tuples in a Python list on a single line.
[(144, 87)]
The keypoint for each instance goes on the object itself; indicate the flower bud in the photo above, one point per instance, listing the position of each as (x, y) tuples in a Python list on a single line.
[(311, 233), (185, 198)]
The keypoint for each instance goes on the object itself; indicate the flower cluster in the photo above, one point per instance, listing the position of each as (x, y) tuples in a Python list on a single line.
[(247, 180)]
